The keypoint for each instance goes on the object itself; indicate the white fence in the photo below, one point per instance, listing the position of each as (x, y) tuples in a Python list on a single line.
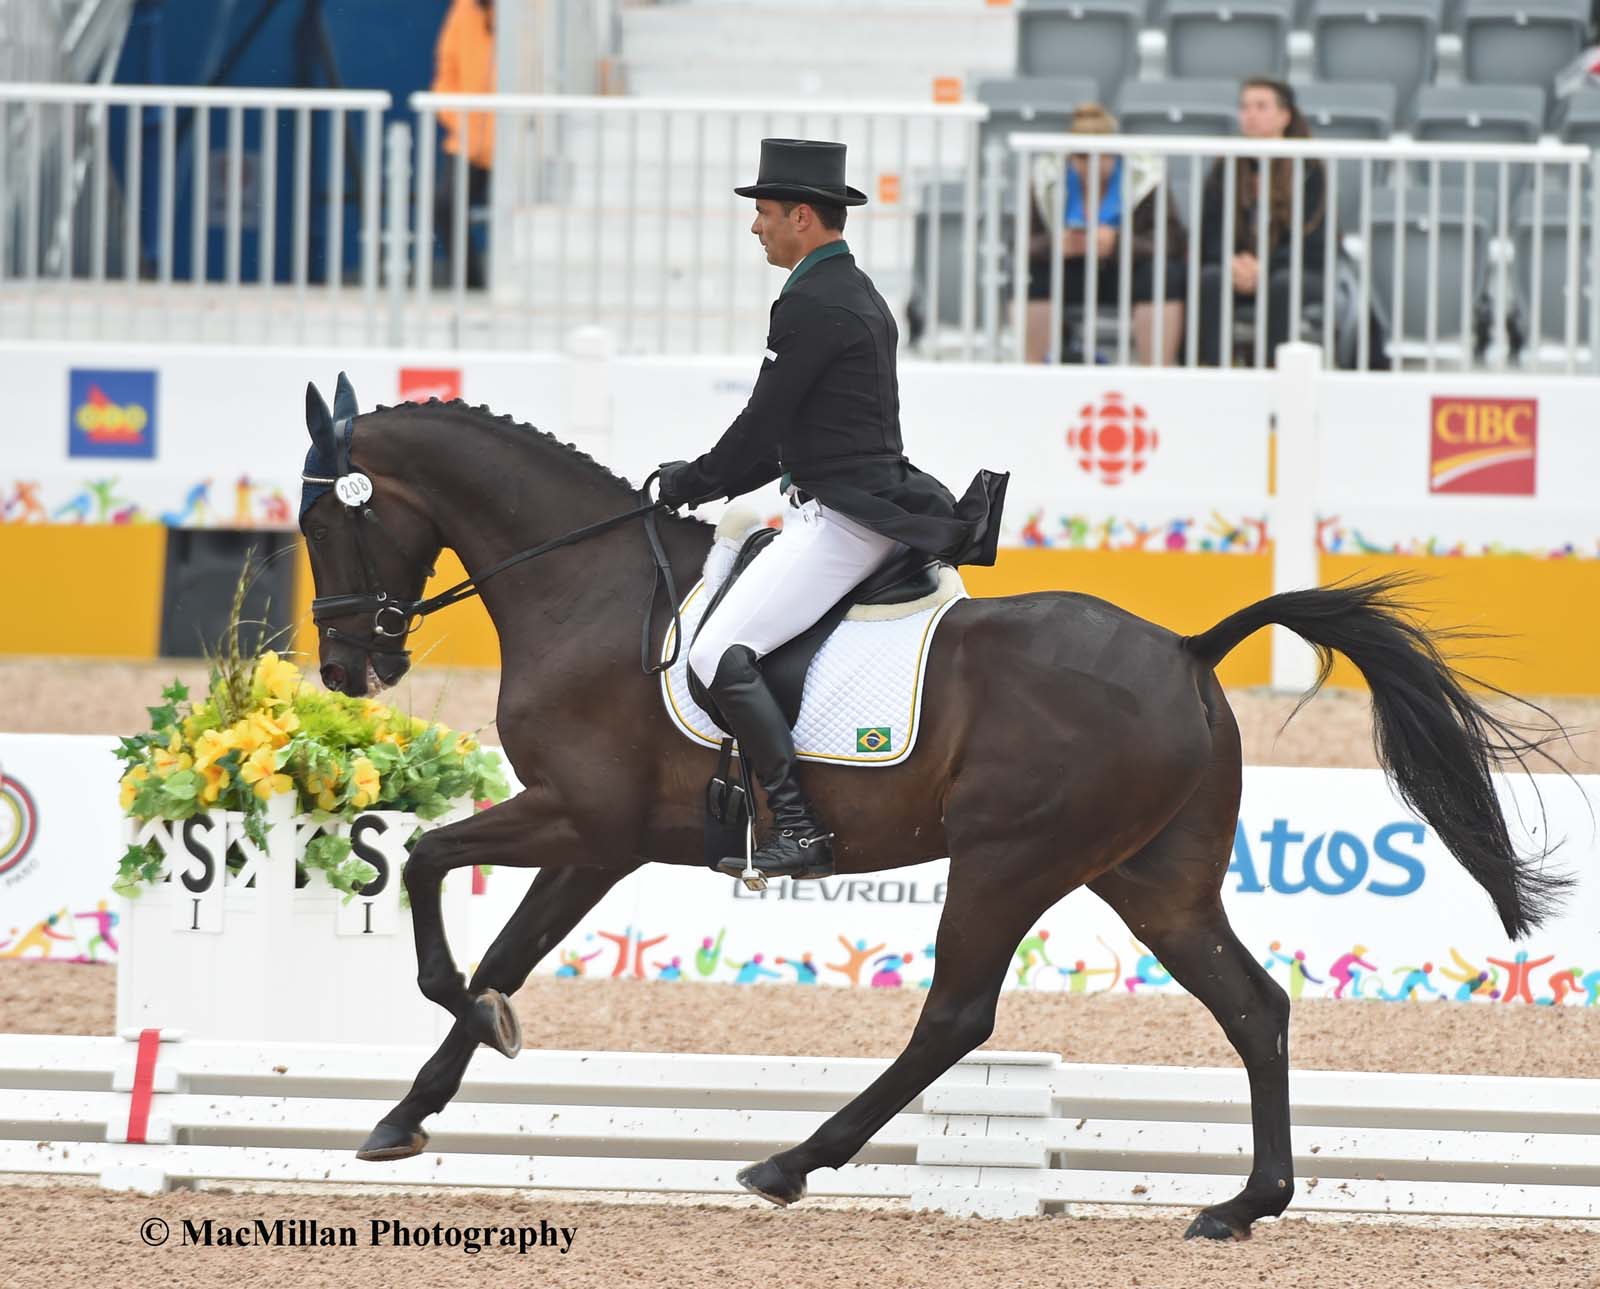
[(1002, 1134), (282, 215)]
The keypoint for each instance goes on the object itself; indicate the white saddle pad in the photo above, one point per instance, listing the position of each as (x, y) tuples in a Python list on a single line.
[(862, 700)]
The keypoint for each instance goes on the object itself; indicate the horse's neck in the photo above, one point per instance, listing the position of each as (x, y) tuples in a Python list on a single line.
[(595, 585)]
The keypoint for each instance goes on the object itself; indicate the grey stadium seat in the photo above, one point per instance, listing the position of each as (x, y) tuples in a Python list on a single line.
[(1453, 224), (1184, 108), (1234, 38), (1552, 270), (1095, 38), (1580, 119), (1521, 42), (1349, 110), (1478, 114), (1031, 104), (1377, 40), (952, 208)]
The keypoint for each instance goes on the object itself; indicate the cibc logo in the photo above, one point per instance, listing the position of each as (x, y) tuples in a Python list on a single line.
[(1330, 863)]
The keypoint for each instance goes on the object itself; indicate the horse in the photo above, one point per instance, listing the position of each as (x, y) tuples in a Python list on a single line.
[(1067, 743)]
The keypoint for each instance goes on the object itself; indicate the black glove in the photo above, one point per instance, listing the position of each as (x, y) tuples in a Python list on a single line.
[(672, 484)]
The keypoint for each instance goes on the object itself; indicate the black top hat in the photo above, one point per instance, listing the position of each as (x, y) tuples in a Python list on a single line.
[(803, 170)]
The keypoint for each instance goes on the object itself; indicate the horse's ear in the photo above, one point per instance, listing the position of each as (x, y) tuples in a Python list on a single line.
[(319, 422), (344, 400)]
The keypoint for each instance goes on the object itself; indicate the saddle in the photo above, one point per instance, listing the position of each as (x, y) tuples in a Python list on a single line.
[(903, 580), (908, 577)]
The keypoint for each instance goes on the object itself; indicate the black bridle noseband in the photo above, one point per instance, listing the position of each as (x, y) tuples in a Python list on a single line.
[(393, 619)]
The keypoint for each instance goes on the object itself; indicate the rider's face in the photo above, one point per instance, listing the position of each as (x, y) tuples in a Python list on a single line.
[(778, 232)]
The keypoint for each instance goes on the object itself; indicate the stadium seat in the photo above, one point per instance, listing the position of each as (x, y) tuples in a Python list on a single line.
[(1094, 38), (1552, 272), (1478, 114), (1580, 119), (1180, 107), (1236, 38), (1377, 40), (952, 207), (1031, 104), (1521, 42), (1452, 230), (1349, 110)]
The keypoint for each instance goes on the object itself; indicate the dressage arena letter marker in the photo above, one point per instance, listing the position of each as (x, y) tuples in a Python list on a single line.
[(379, 837), (353, 489), (197, 859)]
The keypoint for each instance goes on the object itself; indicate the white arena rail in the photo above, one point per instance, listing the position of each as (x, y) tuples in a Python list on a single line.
[(1003, 1134)]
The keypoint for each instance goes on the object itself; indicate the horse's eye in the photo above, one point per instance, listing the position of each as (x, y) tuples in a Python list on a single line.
[(319, 534)]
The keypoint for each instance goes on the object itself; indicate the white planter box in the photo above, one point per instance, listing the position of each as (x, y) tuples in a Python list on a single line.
[(247, 955)]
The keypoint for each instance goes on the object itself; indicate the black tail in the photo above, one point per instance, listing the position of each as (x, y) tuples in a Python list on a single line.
[(1434, 740)]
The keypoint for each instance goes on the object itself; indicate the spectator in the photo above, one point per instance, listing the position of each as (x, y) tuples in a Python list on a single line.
[(1132, 178), (464, 64), (1267, 110)]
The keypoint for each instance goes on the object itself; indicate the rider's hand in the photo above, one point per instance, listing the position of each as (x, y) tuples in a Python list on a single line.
[(672, 483)]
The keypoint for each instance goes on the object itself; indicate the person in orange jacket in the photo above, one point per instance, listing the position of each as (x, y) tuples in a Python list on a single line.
[(464, 64)]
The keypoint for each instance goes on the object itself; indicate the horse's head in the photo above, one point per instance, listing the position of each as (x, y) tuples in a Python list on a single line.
[(372, 548)]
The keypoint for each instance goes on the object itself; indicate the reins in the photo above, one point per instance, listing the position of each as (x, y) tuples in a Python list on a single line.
[(355, 491)]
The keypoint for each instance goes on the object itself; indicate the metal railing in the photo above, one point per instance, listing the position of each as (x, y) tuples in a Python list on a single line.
[(621, 212), (268, 215), (186, 213), (1485, 254)]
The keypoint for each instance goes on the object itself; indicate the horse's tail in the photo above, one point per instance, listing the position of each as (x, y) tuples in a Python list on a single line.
[(1434, 740)]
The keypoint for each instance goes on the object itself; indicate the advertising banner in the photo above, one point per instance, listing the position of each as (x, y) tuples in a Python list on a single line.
[(1334, 885)]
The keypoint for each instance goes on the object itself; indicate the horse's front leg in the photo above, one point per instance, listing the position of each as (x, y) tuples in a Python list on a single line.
[(552, 906), (524, 832)]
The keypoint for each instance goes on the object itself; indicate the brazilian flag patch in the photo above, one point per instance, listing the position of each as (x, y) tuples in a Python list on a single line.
[(875, 738)]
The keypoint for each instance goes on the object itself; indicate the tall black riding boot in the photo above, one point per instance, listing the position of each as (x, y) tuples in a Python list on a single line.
[(799, 846)]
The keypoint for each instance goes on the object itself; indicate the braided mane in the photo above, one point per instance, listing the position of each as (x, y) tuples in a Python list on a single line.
[(482, 411)]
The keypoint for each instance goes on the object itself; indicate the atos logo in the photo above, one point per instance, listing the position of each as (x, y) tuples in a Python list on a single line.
[(1331, 863)]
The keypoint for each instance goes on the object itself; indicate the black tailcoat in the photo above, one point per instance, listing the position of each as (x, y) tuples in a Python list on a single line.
[(826, 410)]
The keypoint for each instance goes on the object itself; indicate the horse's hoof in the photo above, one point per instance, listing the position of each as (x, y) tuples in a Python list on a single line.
[(770, 1182), (1208, 1226), (391, 1141), (495, 1024)]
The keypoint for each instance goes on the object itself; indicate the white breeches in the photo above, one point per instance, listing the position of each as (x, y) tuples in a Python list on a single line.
[(804, 571)]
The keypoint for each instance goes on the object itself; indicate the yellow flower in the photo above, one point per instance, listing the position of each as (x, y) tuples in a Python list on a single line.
[(373, 710), (216, 779), (279, 677), (273, 731), (465, 743), (175, 743), (212, 746), (166, 763), (321, 786), (130, 785), (365, 775), (259, 770)]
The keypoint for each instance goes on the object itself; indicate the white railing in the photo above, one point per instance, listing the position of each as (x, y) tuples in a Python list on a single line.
[(621, 212), (108, 227), (304, 225), (1001, 1134), (1363, 276)]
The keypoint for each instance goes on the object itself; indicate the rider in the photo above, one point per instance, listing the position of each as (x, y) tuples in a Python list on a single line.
[(825, 415)]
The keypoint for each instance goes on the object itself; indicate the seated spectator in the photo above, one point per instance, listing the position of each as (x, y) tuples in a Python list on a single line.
[(1267, 110), (1132, 179)]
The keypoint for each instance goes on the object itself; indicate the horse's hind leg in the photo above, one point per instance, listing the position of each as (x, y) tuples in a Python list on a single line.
[(994, 895), (554, 904), (1169, 894)]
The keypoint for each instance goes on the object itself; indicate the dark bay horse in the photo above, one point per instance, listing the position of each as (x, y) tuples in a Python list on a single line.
[(1066, 743)]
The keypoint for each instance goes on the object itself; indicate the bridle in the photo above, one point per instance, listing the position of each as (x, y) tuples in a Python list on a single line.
[(393, 619)]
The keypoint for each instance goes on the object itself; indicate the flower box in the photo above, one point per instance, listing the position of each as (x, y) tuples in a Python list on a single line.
[(264, 948)]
